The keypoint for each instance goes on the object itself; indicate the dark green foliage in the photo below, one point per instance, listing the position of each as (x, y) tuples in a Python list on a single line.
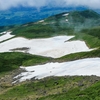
[(82, 16), (34, 31), (76, 17), (13, 60), (93, 31), (41, 31), (83, 19), (10, 61)]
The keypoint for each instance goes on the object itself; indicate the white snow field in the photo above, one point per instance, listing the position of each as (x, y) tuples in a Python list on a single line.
[(89, 66), (66, 20), (6, 36), (65, 14), (50, 47), (41, 21)]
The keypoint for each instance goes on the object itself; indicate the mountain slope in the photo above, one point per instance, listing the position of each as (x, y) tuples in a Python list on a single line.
[(56, 88), (80, 26), (57, 25)]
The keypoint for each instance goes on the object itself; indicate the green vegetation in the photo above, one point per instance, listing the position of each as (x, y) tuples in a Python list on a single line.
[(85, 26), (56, 88), (12, 60), (35, 31), (91, 93), (57, 25), (52, 26), (41, 31), (82, 55), (91, 36), (95, 31), (80, 24), (90, 40), (89, 14)]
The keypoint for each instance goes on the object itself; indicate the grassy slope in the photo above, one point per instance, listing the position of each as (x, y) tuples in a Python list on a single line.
[(56, 88), (82, 55), (90, 40), (91, 93), (53, 26), (11, 61), (40, 30), (80, 24), (95, 31), (48, 87)]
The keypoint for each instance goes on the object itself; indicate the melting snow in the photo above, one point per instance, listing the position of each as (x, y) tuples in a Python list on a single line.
[(41, 21), (51, 47), (66, 20), (89, 66), (66, 14), (5, 36)]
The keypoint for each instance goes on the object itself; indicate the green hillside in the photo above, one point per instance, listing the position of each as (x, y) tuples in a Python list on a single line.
[(85, 26), (12, 61), (56, 88)]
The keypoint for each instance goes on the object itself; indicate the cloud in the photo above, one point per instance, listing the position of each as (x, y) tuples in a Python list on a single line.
[(6, 4)]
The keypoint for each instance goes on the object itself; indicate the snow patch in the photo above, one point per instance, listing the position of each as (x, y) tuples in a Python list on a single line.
[(5, 36), (65, 14), (66, 20), (41, 21), (89, 66), (50, 47)]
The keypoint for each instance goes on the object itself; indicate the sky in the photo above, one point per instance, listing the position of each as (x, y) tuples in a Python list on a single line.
[(6, 4)]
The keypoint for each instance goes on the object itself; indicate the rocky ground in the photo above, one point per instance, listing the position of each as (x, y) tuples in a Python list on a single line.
[(6, 81)]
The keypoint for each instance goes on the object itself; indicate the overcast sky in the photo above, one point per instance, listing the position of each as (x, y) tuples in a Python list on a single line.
[(6, 4)]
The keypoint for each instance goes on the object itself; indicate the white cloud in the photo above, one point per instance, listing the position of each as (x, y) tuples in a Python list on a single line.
[(6, 4)]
